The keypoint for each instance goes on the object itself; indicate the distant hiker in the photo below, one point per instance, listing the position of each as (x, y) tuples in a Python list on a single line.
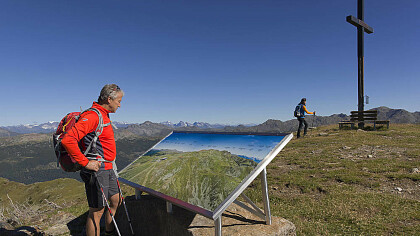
[(105, 148), (300, 111)]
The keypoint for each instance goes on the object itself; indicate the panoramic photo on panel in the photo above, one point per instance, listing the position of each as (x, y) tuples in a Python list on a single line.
[(200, 168)]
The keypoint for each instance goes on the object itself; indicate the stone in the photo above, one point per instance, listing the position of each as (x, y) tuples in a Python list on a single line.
[(6, 226), (149, 217), (22, 231), (61, 219), (58, 229), (398, 189)]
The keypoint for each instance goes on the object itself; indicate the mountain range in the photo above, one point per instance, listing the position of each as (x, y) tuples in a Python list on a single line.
[(151, 129), (183, 124), (51, 126), (45, 128), (21, 153)]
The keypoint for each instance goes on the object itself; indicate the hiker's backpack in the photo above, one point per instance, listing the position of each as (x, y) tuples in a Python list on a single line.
[(64, 159), (298, 111)]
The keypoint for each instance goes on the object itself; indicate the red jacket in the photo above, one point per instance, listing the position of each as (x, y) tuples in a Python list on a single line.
[(84, 130)]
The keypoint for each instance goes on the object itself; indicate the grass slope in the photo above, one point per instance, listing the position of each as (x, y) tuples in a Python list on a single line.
[(332, 182), (30, 158), (348, 182), (43, 204), (204, 178)]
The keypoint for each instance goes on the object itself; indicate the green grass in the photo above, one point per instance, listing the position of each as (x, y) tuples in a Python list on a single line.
[(325, 185), (203, 178), (34, 204), (330, 185)]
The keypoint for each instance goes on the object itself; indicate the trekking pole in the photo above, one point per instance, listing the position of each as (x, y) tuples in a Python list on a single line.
[(313, 121), (312, 127), (107, 204), (125, 207)]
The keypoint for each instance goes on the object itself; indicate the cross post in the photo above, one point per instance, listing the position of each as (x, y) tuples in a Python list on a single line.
[(361, 28)]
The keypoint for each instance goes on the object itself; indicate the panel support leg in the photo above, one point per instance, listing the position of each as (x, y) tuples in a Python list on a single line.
[(169, 207), (138, 194), (266, 200), (218, 226)]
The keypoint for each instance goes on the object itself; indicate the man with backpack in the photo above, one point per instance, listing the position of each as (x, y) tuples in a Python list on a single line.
[(94, 132), (300, 111)]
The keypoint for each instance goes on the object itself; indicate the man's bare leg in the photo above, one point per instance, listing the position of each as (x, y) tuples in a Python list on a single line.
[(114, 203), (93, 220)]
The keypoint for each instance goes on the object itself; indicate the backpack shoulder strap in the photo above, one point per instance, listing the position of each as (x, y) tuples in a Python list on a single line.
[(300, 107), (100, 126), (98, 130), (112, 124)]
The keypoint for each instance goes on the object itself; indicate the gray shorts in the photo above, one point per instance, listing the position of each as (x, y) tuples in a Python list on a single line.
[(107, 180)]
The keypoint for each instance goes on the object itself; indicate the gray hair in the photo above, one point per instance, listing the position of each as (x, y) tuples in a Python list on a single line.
[(109, 90)]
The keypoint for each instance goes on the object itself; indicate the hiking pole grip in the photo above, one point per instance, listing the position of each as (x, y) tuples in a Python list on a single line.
[(125, 208), (107, 204)]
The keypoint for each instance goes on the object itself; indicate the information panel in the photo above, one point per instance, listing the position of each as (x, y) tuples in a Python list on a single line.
[(201, 169)]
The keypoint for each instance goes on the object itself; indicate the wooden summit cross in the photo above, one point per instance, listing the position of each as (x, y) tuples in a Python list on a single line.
[(361, 26)]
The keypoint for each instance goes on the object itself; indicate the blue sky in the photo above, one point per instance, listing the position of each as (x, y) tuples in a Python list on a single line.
[(212, 61), (252, 146)]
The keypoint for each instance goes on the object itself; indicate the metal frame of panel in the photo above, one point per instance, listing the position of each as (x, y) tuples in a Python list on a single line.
[(244, 184), (216, 215)]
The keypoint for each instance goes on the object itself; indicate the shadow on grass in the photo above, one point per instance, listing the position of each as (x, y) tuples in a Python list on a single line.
[(77, 225), (24, 230)]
